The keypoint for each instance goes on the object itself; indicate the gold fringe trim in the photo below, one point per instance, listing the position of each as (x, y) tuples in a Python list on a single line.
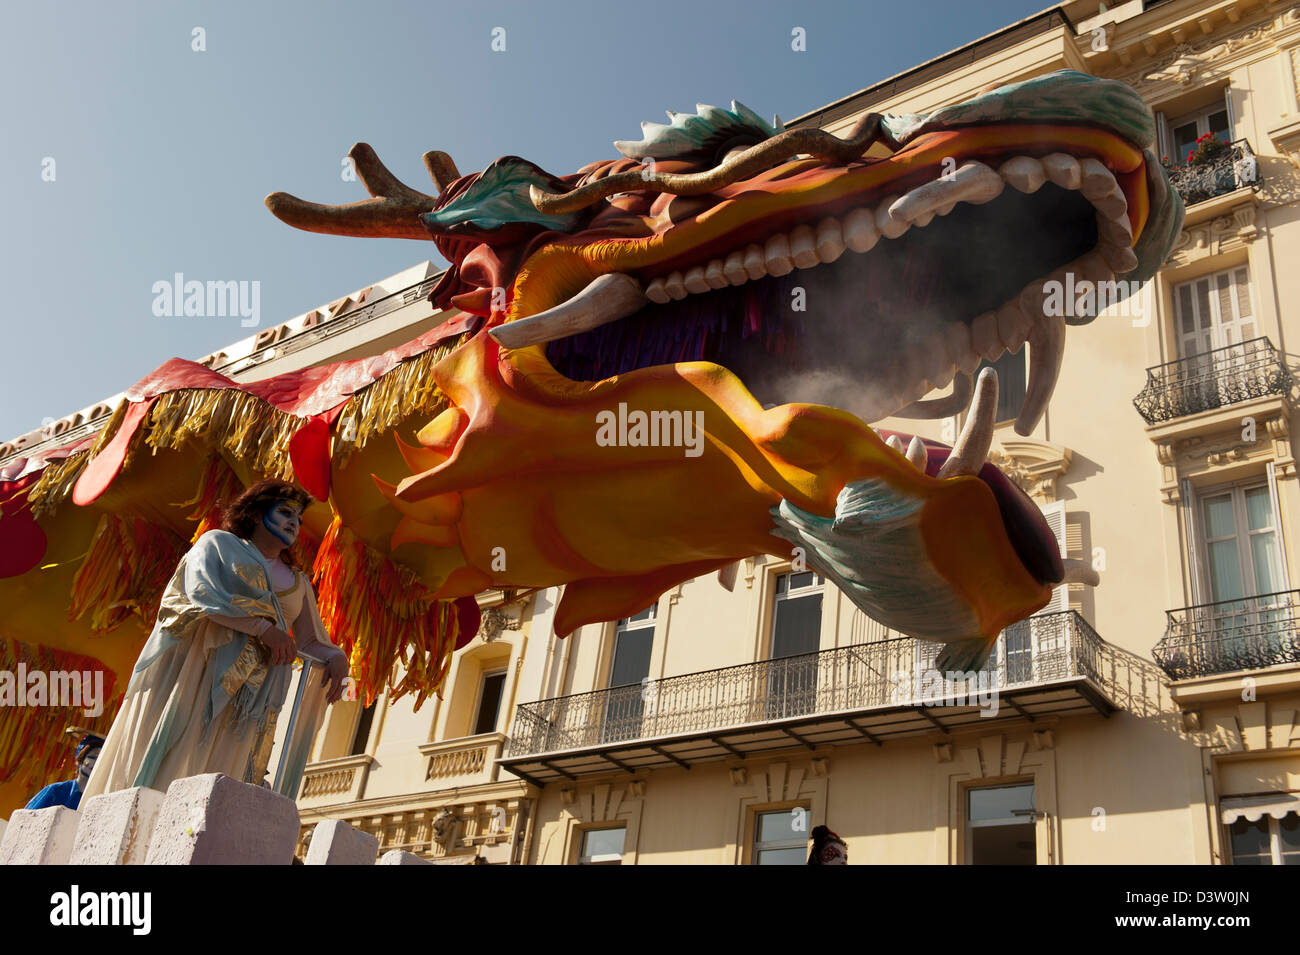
[(381, 615), (110, 429), (124, 574), (251, 430), (218, 487), (55, 483), (31, 737), (405, 391)]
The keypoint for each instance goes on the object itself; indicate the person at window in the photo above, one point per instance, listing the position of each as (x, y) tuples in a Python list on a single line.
[(827, 848), (207, 687)]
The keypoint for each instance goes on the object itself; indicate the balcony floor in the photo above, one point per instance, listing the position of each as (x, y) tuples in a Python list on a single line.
[(877, 724)]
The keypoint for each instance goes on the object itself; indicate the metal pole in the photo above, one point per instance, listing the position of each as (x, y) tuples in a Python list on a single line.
[(303, 676)]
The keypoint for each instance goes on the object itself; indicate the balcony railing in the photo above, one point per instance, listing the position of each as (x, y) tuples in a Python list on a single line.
[(1213, 379), (1244, 634), (886, 673), (1236, 169)]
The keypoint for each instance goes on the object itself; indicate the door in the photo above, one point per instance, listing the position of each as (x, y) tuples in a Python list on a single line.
[(1247, 618), (796, 638), (1215, 320), (629, 667)]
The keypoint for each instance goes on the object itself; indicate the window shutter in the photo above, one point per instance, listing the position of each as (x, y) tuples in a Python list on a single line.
[(1054, 514), (1277, 526), (1193, 545), (1162, 133), (1227, 105)]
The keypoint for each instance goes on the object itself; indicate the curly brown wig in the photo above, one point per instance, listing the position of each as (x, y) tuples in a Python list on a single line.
[(245, 512)]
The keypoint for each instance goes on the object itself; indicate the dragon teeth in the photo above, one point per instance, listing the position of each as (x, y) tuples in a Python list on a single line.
[(830, 240), (694, 281), (713, 274), (890, 226), (803, 248), (860, 232), (1006, 328), (675, 287), (734, 269), (1062, 170), (1024, 173)]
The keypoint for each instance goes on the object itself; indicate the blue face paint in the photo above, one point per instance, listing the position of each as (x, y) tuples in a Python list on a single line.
[(277, 531)]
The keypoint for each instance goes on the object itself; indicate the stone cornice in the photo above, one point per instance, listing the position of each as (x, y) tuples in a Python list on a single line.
[(1175, 47)]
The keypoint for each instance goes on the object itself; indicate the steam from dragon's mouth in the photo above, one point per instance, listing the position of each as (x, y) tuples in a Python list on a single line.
[(919, 300)]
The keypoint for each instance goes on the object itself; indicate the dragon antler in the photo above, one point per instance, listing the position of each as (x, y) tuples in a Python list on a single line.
[(393, 212)]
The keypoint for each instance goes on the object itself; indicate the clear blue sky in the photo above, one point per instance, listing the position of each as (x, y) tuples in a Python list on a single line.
[(163, 154)]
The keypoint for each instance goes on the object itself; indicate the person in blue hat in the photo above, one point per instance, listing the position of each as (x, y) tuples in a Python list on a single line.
[(68, 793)]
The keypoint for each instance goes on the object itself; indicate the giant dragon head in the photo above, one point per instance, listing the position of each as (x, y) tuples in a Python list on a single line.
[(682, 350)]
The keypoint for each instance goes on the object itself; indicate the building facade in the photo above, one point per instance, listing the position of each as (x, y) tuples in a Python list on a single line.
[(1155, 719)]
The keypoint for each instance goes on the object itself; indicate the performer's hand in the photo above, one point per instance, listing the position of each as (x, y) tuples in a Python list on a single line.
[(336, 672), (280, 644)]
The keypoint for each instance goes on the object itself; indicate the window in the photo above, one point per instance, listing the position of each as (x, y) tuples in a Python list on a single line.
[(1011, 383), (1000, 825), (361, 736), (1241, 547), (489, 702), (1214, 311), (629, 665), (602, 846), (1267, 841), (777, 840), (1188, 128), (796, 637)]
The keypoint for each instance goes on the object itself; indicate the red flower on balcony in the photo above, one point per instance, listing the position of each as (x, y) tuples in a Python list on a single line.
[(1208, 149)]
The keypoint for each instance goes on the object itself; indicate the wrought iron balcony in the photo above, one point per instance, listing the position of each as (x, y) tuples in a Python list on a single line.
[(1053, 663), (1244, 634), (1235, 169), (1213, 379)]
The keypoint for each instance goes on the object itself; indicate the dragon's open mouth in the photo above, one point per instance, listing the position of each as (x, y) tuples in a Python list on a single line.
[(903, 284)]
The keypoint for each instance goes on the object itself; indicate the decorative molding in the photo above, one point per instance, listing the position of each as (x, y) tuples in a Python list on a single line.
[(739, 775), (496, 620), (1044, 739), (1188, 63), (943, 752), (1034, 466), (1217, 236), (1256, 726), (444, 825)]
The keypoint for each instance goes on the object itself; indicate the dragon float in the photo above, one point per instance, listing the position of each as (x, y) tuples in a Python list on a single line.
[(656, 367)]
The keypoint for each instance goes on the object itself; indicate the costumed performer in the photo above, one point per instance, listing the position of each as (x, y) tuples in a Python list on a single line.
[(206, 689)]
